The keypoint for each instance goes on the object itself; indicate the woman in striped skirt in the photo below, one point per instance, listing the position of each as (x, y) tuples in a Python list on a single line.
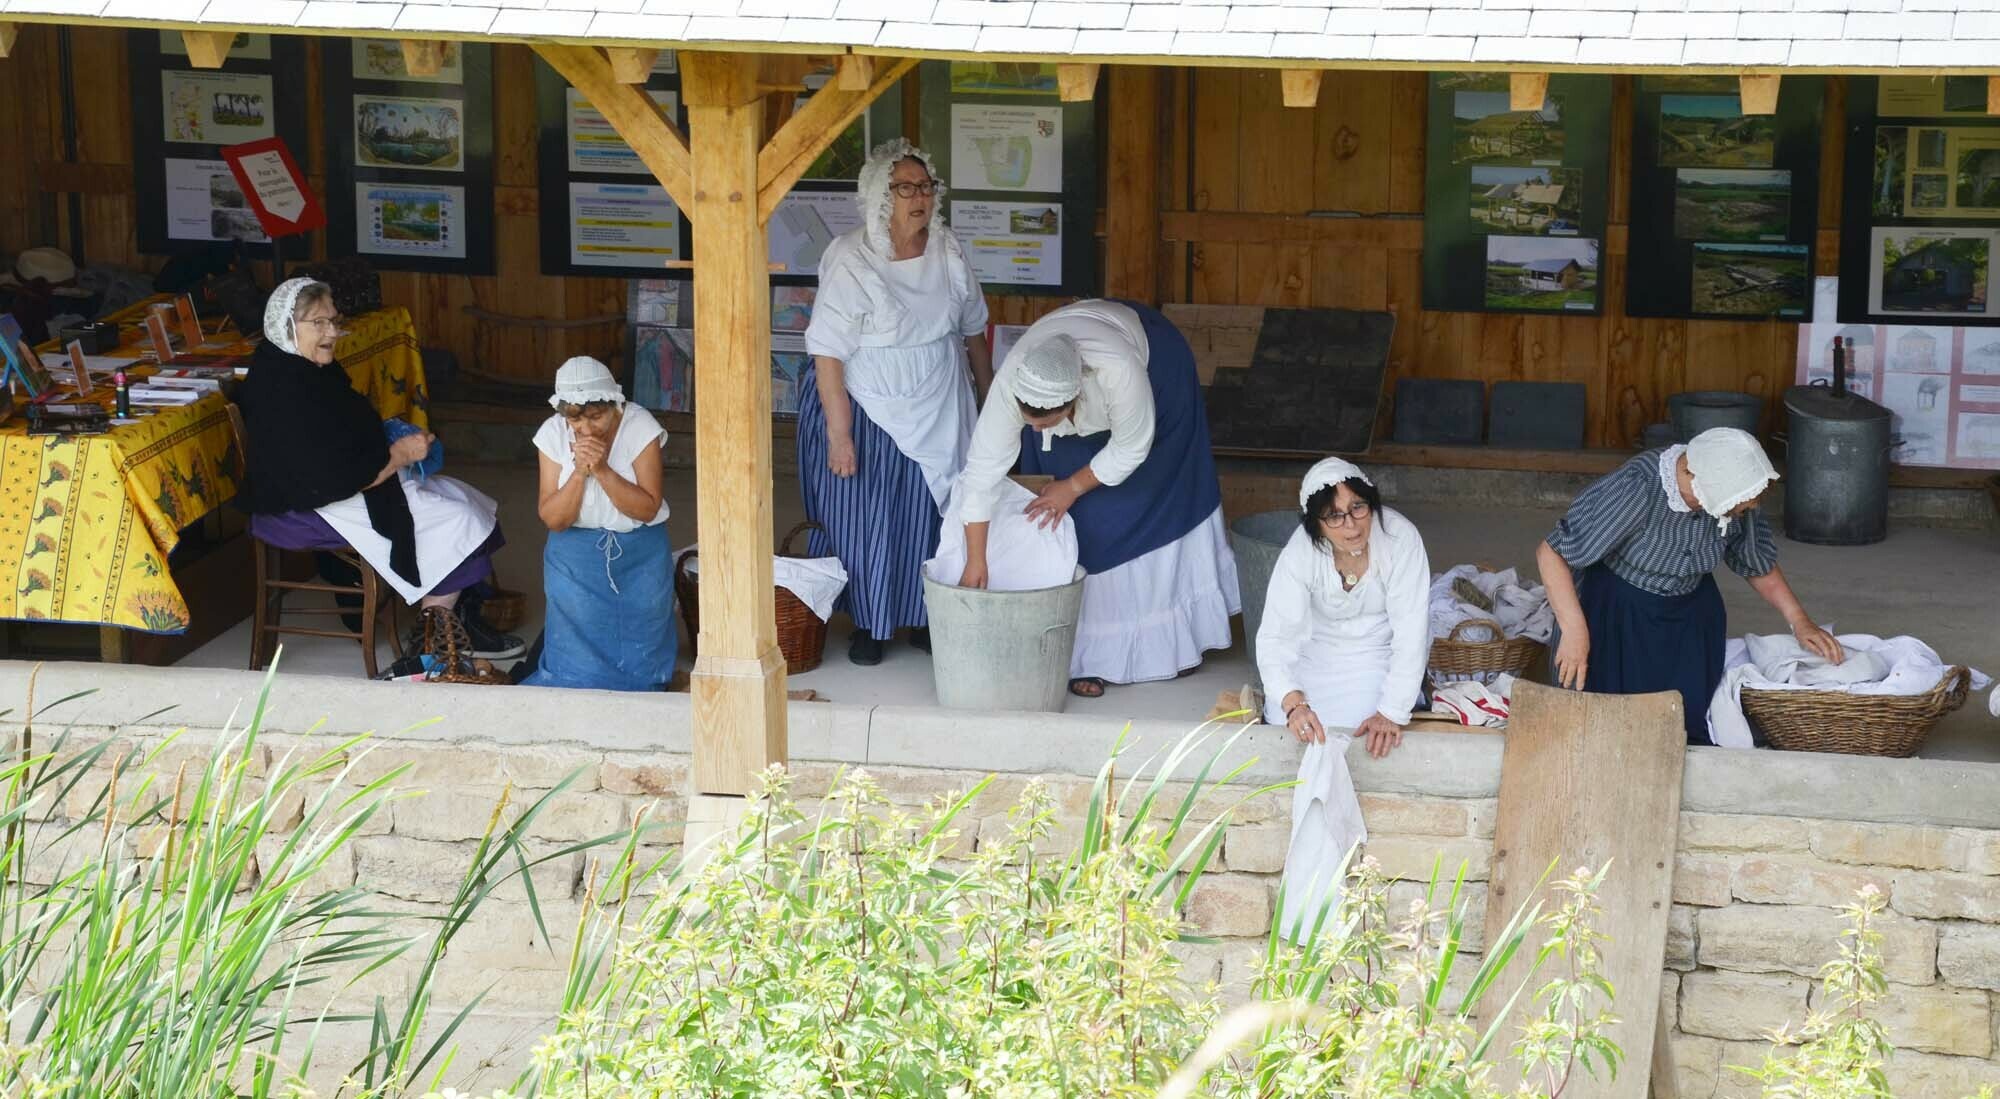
[(886, 409)]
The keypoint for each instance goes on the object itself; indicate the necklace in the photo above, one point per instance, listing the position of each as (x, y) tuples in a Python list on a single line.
[(1352, 578)]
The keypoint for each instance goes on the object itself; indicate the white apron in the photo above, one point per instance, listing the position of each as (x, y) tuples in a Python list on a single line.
[(452, 519), (921, 397)]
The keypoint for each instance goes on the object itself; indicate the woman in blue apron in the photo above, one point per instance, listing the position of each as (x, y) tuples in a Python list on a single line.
[(607, 569), (1103, 397), (1642, 613)]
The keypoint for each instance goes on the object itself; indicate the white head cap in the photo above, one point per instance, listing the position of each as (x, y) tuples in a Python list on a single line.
[(872, 192), (582, 380), (1329, 471), (1050, 373), (1729, 467), (280, 326), (50, 264)]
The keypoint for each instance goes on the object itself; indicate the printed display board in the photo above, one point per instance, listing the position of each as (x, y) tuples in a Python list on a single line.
[(601, 212), (1514, 201), (660, 344), (1725, 205)]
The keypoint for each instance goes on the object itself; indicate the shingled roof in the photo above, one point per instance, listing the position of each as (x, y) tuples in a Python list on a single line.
[(1721, 35)]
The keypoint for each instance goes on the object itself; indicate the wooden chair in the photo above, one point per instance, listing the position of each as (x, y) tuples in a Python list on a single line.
[(268, 610)]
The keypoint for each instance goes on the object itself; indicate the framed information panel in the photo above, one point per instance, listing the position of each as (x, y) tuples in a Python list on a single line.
[(602, 213)]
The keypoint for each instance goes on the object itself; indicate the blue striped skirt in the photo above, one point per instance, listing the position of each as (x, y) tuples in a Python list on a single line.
[(882, 522)]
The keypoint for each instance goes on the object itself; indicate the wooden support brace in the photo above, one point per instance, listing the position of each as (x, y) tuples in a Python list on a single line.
[(1527, 91), (1301, 87), (1076, 83), (423, 56), (207, 49), (631, 112), (632, 64), (8, 33), (1992, 93), (1759, 93), (790, 151), (854, 72)]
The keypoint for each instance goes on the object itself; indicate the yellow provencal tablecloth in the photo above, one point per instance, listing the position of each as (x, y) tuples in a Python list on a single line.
[(89, 520)]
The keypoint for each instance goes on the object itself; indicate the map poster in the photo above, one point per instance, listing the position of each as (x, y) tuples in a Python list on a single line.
[(622, 225), (804, 223), (997, 147), (403, 219), (215, 108), (1017, 243)]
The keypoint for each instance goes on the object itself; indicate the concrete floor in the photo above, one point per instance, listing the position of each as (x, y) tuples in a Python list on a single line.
[(1942, 585)]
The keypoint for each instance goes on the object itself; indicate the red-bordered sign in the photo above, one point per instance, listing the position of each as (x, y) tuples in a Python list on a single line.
[(275, 186)]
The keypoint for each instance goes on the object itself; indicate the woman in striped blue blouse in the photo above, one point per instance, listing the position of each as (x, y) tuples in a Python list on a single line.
[(1641, 611)]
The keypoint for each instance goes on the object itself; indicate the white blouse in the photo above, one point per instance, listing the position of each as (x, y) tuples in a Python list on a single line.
[(636, 428), (1117, 397), (866, 299)]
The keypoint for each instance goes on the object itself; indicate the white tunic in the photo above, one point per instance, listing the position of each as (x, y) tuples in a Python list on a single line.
[(636, 429), (899, 328), (452, 519)]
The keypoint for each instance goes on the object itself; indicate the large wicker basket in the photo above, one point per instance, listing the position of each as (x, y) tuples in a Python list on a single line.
[(801, 633), (504, 609), (1862, 725), (1454, 658)]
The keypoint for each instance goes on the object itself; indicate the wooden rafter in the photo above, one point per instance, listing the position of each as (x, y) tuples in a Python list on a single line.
[(1300, 87), (1993, 95), (423, 56), (207, 49), (854, 72), (1759, 93), (633, 113), (8, 33), (1527, 91), (632, 64), (810, 130), (1076, 83)]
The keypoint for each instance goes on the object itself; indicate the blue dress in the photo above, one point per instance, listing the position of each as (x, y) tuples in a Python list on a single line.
[(610, 610)]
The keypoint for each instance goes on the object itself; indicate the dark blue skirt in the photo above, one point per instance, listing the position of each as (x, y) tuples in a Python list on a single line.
[(1641, 643), (610, 610), (1173, 491)]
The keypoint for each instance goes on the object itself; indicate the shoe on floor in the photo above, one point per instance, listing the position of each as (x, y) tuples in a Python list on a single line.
[(476, 640), (489, 643), (920, 639), (864, 650)]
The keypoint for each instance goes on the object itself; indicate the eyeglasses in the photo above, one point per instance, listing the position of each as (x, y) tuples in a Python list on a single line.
[(1336, 518), (592, 411), (906, 189), (325, 324)]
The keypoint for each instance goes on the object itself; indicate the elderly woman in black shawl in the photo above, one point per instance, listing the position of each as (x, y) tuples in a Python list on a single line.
[(322, 472)]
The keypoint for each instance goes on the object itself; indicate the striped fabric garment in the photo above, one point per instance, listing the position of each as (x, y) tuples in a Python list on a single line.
[(882, 522), (1623, 519)]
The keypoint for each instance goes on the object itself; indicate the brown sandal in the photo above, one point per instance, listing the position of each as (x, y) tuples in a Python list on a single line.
[(1087, 686)]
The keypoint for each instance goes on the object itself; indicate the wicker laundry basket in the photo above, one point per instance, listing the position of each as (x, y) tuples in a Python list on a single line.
[(1455, 658), (505, 608), (801, 633), (1863, 725)]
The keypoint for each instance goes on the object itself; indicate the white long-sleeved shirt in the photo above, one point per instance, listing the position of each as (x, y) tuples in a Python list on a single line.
[(1311, 623), (1117, 397)]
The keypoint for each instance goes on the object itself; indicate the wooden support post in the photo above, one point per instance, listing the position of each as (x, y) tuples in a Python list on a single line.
[(1759, 93), (8, 33), (854, 72), (632, 112), (1992, 93), (1301, 87), (739, 674), (1132, 186), (1527, 91), (423, 56), (631, 64), (1076, 83), (207, 49)]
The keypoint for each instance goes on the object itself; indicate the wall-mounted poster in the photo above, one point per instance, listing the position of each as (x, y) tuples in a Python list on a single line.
[(399, 219), (1006, 148), (1515, 199), (382, 59), (204, 202), (418, 135), (804, 223), (216, 108), (661, 345), (1725, 206), (1018, 243), (622, 225), (1920, 219), (602, 212), (594, 146)]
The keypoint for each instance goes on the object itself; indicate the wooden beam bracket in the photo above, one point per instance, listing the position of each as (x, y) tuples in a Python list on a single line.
[(1076, 83), (854, 72), (632, 64), (1301, 87), (207, 49), (423, 56), (1992, 92), (1759, 93), (1527, 91), (8, 33)]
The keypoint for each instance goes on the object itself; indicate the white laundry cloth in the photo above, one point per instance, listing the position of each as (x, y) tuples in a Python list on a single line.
[(1326, 827), (817, 581), (1020, 555), (451, 518), (1473, 703), (1873, 666), (1520, 606)]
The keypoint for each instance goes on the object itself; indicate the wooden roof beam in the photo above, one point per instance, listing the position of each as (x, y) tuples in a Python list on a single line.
[(1993, 95), (1076, 83), (423, 56), (1300, 87), (1527, 91), (633, 113), (1759, 93), (207, 49), (809, 131), (853, 72), (8, 33), (632, 64)]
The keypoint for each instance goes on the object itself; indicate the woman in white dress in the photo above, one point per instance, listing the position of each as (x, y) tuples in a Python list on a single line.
[(1103, 397), (886, 409), (1342, 649)]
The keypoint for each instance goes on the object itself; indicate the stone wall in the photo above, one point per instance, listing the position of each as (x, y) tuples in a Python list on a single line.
[(1770, 843)]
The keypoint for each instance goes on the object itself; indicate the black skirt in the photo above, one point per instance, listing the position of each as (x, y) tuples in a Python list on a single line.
[(1641, 643)]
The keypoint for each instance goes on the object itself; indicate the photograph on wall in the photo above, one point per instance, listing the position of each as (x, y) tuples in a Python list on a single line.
[(1006, 148), (663, 368), (1732, 204), (216, 108), (804, 223), (1919, 271), (1487, 130), (382, 59), (245, 47), (1892, 160), (1930, 97), (1711, 131), (410, 220), (1527, 201), (1918, 349), (1018, 243), (422, 135), (594, 146), (1541, 274), (791, 308), (1752, 280), (662, 302), (622, 225), (1003, 78), (204, 202)]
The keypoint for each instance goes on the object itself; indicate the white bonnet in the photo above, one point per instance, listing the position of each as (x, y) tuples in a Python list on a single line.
[(1329, 471), (1050, 373), (280, 326), (582, 380), (872, 194), (1729, 466)]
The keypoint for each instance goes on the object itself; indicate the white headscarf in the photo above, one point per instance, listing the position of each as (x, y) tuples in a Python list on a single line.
[(582, 380), (878, 203), (1729, 466), (1329, 471), (280, 326), (1050, 374)]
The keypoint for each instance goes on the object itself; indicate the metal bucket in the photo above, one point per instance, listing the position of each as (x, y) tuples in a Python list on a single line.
[(1837, 467), (1257, 540), (1002, 650), (1695, 412)]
